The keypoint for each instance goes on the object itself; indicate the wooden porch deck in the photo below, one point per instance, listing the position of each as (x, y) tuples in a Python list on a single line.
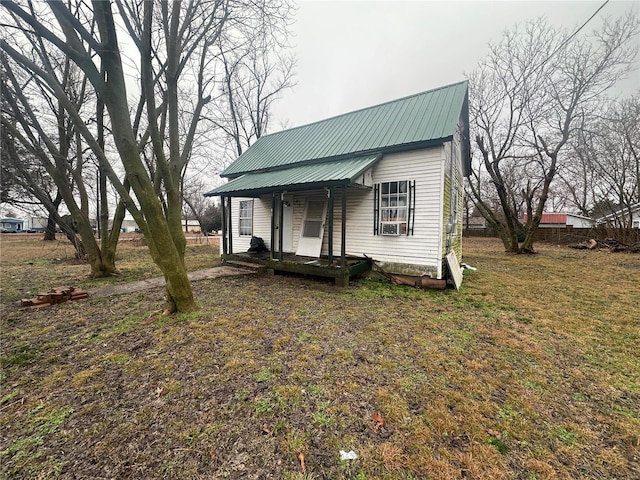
[(319, 267)]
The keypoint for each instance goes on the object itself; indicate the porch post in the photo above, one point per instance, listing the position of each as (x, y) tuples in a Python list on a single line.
[(343, 249), (281, 207), (330, 240), (273, 225), (230, 230), (224, 224)]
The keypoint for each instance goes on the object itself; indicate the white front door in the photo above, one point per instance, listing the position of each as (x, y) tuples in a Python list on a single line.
[(286, 224), (312, 231)]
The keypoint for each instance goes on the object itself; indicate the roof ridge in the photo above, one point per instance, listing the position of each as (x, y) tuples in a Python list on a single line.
[(365, 108)]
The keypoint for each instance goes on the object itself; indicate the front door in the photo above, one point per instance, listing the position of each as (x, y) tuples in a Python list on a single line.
[(286, 224), (312, 231)]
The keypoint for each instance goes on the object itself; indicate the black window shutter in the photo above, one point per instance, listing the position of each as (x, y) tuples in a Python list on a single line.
[(412, 210), (376, 208)]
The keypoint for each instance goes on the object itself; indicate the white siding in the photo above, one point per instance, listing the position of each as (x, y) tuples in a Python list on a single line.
[(261, 223), (578, 221), (423, 247), (262, 219)]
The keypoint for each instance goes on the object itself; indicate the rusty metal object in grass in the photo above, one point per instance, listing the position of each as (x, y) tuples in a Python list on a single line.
[(420, 282), (56, 296)]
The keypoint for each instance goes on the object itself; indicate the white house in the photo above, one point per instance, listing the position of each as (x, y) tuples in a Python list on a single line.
[(191, 225), (382, 184), (563, 220), (128, 225), (623, 217), (38, 223)]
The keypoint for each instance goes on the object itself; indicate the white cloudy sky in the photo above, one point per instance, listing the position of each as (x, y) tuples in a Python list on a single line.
[(353, 54)]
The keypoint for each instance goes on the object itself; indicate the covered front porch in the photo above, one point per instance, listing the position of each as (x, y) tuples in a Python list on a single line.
[(336, 263), (327, 187)]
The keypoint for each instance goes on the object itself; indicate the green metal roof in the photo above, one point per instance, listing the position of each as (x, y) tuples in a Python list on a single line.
[(416, 121), (298, 177)]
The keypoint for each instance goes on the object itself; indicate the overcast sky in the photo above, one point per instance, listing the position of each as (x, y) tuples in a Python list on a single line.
[(353, 54)]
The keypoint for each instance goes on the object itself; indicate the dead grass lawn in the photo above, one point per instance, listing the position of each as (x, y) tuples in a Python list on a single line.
[(531, 371)]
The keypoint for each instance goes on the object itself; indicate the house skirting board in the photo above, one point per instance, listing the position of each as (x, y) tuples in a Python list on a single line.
[(409, 269)]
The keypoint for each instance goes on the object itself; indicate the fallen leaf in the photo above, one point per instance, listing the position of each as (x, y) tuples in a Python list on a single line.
[(152, 317), (301, 458), (379, 420)]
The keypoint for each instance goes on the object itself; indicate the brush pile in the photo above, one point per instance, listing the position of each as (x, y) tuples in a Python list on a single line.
[(610, 244)]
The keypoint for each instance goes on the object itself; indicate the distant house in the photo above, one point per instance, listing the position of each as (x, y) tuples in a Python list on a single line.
[(39, 224), (475, 223), (380, 184), (10, 224), (563, 220), (191, 225), (622, 217), (128, 225)]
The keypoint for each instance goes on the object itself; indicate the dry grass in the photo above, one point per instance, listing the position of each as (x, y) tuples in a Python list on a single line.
[(30, 266), (531, 371)]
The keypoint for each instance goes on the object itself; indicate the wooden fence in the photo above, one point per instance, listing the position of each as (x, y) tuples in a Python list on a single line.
[(566, 235)]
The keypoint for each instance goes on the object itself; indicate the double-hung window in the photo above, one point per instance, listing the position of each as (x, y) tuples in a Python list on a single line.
[(394, 205), (393, 208), (245, 217)]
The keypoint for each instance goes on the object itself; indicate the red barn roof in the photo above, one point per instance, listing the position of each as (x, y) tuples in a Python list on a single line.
[(552, 218)]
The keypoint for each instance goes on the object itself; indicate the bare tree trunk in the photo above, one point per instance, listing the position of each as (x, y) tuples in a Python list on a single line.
[(50, 230)]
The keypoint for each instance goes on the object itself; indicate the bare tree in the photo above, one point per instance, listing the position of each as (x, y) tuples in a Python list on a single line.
[(26, 184), (252, 82), (609, 150), (529, 97), (256, 69), (175, 44), (195, 203), (76, 40), (44, 146), (577, 177)]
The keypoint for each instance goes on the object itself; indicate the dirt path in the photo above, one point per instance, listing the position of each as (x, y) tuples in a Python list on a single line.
[(158, 282)]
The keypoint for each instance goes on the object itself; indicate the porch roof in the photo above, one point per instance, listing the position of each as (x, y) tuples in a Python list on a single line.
[(302, 177)]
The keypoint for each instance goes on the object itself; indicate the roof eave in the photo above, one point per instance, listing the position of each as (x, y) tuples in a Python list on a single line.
[(294, 187)]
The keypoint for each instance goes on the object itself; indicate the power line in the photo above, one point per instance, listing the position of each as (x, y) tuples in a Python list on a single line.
[(570, 37)]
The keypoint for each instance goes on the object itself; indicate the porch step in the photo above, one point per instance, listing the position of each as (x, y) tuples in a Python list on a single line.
[(239, 263)]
